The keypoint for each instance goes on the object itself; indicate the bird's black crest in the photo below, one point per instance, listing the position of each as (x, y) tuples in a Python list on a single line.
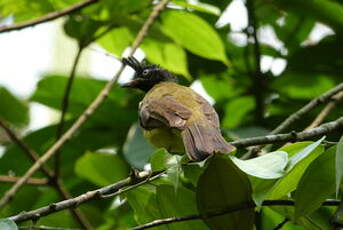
[(147, 75)]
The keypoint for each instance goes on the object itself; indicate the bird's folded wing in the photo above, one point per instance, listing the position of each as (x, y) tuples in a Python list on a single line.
[(166, 110), (209, 112)]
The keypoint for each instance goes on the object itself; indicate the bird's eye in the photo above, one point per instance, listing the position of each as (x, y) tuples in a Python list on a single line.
[(145, 72)]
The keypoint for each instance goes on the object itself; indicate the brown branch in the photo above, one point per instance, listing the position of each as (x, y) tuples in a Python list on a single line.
[(88, 112), (49, 17), (53, 181), (292, 136), (32, 181), (43, 227), (114, 189), (327, 96), (170, 220), (325, 112)]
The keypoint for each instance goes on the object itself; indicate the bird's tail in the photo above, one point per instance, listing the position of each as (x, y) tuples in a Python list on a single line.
[(201, 141)]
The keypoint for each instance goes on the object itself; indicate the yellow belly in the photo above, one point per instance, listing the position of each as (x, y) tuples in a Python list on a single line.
[(167, 138)]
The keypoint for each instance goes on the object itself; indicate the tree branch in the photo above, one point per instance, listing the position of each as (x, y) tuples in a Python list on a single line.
[(327, 96), (53, 181), (308, 107), (325, 112), (104, 192), (292, 136), (88, 112), (32, 180), (42, 227), (169, 220), (49, 17)]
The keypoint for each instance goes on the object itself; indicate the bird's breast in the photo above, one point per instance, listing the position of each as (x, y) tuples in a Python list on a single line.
[(167, 138)]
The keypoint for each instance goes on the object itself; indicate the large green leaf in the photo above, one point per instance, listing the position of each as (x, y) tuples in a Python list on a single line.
[(50, 92), (316, 185), (24, 10), (268, 166), (83, 29), (194, 34), (221, 187), (302, 86), (161, 160), (198, 6), (12, 109), (116, 40), (101, 168), (7, 224), (178, 203), (339, 164), (300, 160), (137, 150), (299, 156), (168, 55), (144, 203)]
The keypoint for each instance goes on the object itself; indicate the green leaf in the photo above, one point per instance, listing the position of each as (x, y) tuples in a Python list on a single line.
[(295, 168), (81, 28), (170, 201), (199, 6), (125, 7), (116, 40), (101, 168), (7, 224), (168, 55), (316, 185), (236, 111), (221, 87), (328, 12), (268, 166), (222, 187), (12, 109), (144, 203), (339, 165), (302, 86), (137, 150), (299, 156), (194, 34), (161, 160)]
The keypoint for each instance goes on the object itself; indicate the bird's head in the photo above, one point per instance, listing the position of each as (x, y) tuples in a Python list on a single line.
[(146, 76)]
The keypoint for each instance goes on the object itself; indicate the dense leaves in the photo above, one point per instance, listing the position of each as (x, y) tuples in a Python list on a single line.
[(202, 43)]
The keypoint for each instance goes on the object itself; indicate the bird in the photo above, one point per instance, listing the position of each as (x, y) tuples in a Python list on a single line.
[(173, 116)]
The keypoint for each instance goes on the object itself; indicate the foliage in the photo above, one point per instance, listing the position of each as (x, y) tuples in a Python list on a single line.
[(187, 41)]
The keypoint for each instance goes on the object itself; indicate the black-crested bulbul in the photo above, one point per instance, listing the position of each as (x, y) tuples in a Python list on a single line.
[(175, 117)]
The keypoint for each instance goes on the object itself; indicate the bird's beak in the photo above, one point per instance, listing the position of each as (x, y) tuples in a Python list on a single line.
[(131, 84)]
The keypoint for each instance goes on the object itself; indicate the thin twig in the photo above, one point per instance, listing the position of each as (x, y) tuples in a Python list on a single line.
[(43, 227), (88, 112), (48, 17), (325, 112), (327, 96), (32, 180), (65, 105), (169, 220), (280, 225), (55, 182)]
